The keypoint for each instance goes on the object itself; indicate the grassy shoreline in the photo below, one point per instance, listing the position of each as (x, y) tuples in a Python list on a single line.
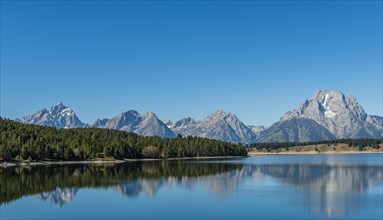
[(117, 161), (317, 149)]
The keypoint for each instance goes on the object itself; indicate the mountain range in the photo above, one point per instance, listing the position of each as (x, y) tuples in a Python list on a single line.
[(329, 114)]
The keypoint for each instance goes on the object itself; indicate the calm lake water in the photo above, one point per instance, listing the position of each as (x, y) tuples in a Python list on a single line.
[(278, 187)]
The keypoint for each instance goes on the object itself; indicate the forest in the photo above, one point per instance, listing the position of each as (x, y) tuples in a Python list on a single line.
[(27, 142)]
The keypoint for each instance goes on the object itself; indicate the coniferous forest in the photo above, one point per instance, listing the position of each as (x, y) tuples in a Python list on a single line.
[(26, 142)]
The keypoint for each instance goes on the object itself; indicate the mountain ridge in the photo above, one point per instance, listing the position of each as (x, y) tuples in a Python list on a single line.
[(328, 114)]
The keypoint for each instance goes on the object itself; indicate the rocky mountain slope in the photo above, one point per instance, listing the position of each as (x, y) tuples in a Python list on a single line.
[(343, 116), (257, 129), (184, 126), (132, 121), (218, 125), (295, 130)]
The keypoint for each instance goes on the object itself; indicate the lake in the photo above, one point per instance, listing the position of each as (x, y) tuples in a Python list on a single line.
[(257, 187)]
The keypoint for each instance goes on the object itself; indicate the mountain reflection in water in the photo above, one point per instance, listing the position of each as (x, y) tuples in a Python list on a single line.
[(326, 189), (59, 196)]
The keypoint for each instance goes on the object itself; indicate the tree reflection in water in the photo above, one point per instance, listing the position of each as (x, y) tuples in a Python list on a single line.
[(129, 179)]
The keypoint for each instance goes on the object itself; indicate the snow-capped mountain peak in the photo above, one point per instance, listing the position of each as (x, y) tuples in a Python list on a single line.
[(342, 116), (60, 108), (59, 116)]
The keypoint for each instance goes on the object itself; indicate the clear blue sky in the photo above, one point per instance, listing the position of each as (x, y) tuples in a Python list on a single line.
[(257, 59)]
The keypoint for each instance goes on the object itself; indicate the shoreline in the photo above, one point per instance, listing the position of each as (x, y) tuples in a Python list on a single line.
[(317, 150), (313, 153), (48, 163)]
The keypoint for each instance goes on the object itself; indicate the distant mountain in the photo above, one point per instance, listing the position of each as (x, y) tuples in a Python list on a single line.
[(343, 116), (257, 130), (59, 116), (295, 130), (127, 121), (376, 121), (151, 125), (184, 126), (218, 125), (132, 121)]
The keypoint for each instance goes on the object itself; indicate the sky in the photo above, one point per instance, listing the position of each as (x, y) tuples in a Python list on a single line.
[(256, 59)]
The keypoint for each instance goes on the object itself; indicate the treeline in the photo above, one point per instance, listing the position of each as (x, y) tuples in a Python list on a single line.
[(33, 142), (360, 143)]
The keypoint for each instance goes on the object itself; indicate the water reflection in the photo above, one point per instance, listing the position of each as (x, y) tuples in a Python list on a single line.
[(131, 179), (328, 189), (59, 196), (331, 190)]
